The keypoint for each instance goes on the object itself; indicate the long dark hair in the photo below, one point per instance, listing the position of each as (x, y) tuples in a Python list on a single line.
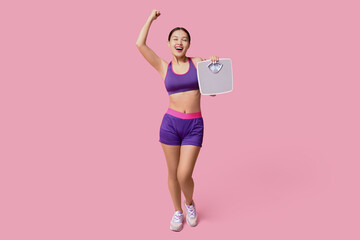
[(179, 28)]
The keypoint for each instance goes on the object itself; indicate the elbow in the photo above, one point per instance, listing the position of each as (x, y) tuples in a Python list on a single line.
[(139, 45)]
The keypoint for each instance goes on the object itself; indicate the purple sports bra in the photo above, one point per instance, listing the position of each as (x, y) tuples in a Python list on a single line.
[(175, 83)]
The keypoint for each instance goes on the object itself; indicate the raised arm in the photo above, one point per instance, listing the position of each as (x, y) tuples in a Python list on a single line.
[(159, 64)]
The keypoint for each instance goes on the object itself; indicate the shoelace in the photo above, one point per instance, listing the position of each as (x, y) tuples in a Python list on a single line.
[(177, 217), (191, 211)]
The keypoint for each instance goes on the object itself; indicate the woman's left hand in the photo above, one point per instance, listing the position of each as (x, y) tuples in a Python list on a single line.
[(214, 58)]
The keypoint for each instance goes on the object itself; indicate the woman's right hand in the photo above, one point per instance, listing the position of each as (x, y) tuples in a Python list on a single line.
[(154, 14)]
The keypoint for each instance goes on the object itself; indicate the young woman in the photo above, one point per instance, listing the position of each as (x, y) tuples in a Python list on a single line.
[(182, 127)]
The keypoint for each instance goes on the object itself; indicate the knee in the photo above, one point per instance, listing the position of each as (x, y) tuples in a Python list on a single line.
[(172, 177), (183, 178)]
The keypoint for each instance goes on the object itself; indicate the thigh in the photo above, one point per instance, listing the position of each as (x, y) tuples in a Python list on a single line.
[(196, 135), (168, 131), (188, 157), (172, 155)]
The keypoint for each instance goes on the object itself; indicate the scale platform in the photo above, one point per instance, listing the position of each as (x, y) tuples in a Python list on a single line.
[(215, 78)]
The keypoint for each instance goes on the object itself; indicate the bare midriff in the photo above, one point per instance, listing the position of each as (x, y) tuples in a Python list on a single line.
[(186, 102)]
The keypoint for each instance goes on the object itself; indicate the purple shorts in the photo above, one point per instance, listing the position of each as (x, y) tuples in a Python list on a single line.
[(179, 128)]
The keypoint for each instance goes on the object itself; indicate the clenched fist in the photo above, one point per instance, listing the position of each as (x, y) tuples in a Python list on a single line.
[(154, 14)]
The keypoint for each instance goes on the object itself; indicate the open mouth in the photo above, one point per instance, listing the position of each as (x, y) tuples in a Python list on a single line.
[(179, 49)]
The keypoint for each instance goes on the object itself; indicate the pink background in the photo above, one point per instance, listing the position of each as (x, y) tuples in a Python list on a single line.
[(81, 111)]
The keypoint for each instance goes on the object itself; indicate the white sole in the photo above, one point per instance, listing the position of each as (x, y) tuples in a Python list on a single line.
[(176, 230), (196, 223)]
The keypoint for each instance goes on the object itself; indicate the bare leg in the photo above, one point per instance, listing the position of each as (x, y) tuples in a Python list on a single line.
[(172, 155), (188, 156)]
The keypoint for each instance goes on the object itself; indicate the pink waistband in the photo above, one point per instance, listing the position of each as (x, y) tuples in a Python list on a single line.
[(183, 115)]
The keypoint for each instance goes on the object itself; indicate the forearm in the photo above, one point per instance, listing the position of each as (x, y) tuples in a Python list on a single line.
[(144, 33)]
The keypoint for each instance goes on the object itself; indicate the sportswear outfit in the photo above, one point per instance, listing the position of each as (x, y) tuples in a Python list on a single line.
[(178, 128)]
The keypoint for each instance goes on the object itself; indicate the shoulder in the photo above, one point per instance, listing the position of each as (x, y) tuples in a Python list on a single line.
[(164, 68), (195, 60), (165, 64)]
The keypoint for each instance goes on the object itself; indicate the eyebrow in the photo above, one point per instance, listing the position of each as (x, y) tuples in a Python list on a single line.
[(177, 36)]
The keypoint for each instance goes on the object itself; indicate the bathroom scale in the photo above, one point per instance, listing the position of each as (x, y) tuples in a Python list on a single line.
[(215, 78)]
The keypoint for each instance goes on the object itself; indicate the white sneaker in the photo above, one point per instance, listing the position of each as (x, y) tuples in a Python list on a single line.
[(176, 223), (191, 215)]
